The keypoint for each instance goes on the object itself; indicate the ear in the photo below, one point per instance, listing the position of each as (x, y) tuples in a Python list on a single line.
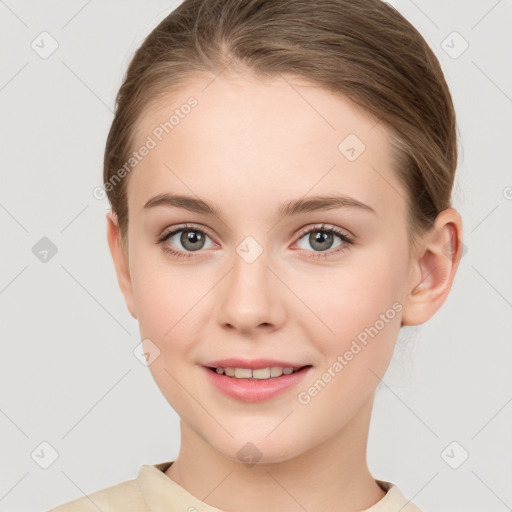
[(120, 261), (435, 264)]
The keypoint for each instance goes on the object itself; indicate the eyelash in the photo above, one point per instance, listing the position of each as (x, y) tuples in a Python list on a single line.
[(317, 254)]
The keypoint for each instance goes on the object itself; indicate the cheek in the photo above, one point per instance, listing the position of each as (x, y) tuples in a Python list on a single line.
[(170, 316), (362, 317), (356, 305), (161, 296), (156, 307)]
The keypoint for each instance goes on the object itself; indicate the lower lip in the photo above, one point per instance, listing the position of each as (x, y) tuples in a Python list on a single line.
[(255, 390)]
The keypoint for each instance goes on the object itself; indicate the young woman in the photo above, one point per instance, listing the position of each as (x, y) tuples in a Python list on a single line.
[(280, 177)]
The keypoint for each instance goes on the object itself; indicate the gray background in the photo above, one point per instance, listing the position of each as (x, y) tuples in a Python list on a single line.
[(68, 373)]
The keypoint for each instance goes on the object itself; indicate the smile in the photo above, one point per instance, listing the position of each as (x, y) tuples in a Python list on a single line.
[(257, 385)]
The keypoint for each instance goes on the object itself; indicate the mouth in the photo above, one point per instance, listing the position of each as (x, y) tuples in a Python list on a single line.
[(268, 373), (246, 385)]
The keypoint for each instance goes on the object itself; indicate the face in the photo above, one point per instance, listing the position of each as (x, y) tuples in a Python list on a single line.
[(319, 287)]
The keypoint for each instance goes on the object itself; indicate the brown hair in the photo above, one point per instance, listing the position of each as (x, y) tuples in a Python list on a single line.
[(364, 50)]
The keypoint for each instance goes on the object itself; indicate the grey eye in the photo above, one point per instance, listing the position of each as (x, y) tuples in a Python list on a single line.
[(320, 240), (190, 239)]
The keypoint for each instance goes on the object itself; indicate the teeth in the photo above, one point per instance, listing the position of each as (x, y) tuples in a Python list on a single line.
[(260, 373)]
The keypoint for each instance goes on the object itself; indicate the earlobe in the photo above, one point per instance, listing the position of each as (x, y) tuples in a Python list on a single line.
[(436, 263), (120, 260)]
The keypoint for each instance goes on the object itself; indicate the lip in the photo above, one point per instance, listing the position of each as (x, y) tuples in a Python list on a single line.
[(253, 364), (255, 390)]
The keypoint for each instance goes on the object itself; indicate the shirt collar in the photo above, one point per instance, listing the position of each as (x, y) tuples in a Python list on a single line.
[(162, 494)]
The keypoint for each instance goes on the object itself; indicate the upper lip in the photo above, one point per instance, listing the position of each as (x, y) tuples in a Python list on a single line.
[(252, 364)]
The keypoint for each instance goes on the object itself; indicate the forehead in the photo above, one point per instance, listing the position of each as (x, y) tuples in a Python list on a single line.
[(245, 136)]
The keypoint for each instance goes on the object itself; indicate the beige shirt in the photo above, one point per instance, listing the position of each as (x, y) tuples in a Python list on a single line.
[(153, 491)]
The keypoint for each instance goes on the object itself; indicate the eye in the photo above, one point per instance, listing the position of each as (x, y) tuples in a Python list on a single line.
[(191, 238), (321, 238)]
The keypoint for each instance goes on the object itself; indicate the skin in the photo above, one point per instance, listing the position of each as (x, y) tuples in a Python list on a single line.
[(248, 146)]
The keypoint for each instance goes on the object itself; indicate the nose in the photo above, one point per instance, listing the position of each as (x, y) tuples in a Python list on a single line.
[(251, 296)]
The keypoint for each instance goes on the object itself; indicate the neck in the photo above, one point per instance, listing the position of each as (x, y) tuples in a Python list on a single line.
[(331, 476)]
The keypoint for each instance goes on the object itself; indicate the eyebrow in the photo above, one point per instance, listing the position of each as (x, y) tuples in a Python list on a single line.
[(288, 208)]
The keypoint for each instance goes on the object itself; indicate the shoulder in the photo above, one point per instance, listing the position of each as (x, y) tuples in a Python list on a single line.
[(392, 500), (123, 497)]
